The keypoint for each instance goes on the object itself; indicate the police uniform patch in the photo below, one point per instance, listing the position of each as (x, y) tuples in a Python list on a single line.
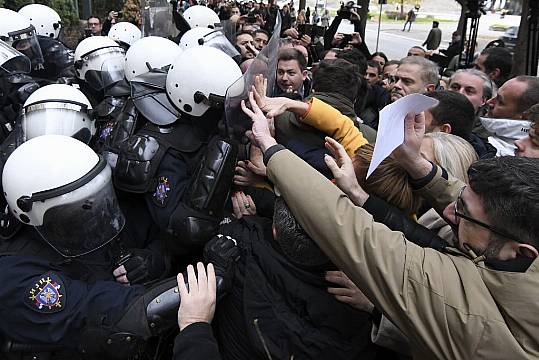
[(162, 189), (106, 130), (47, 294)]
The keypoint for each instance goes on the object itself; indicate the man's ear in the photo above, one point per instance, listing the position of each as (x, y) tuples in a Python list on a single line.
[(494, 74), (431, 87), (527, 250), (304, 74), (446, 128)]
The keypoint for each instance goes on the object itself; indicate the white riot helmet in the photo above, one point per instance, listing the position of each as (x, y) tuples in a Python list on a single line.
[(99, 61), (152, 52), (46, 21), (202, 36), (17, 31), (13, 61), (57, 109), (199, 78), (64, 189), (125, 33), (201, 16)]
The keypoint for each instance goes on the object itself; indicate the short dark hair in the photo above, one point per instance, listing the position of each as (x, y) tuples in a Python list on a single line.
[(435, 24), (93, 17), (509, 189), (244, 32), (296, 245), (336, 76), (454, 109), (392, 62), (381, 54), (288, 54), (355, 57), (498, 58), (530, 97), (376, 65), (261, 31)]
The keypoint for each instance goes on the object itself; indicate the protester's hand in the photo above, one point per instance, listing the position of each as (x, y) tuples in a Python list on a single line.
[(256, 161), (343, 172), (252, 49), (337, 39), (292, 32), (305, 40), (242, 205), (198, 303), (354, 16), (120, 275), (408, 153), (260, 131), (245, 176), (348, 292), (113, 15), (356, 39)]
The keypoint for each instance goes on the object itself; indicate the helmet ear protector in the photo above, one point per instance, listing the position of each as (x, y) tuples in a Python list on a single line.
[(25, 203)]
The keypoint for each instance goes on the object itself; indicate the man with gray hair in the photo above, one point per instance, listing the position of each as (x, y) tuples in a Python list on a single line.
[(414, 75), (475, 85)]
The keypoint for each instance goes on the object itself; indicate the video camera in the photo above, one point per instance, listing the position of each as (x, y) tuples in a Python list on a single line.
[(311, 30)]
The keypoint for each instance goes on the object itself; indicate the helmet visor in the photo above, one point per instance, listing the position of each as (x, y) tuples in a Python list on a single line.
[(13, 61), (75, 228), (27, 43), (105, 67), (218, 40), (59, 119)]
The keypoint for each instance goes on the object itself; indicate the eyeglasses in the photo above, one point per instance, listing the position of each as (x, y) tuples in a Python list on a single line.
[(460, 212)]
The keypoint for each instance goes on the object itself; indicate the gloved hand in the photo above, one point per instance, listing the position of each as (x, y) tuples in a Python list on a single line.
[(223, 252), (140, 267)]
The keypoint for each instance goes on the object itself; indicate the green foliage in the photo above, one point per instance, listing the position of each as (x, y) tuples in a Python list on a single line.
[(64, 8)]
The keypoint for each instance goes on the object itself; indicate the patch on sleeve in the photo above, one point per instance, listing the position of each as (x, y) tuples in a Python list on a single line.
[(162, 189), (47, 294)]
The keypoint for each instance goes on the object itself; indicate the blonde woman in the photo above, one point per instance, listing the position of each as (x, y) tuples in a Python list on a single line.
[(455, 155)]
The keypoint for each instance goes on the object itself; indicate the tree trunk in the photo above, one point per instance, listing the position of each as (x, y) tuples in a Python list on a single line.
[(519, 67), (302, 4), (463, 10), (363, 15)]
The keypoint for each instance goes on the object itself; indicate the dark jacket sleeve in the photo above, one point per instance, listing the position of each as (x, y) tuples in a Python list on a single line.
[(196, 341), (396, 220), (331, 31), (107, 24)]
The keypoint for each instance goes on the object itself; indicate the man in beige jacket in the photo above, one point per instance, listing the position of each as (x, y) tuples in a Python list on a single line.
[(479, 301)]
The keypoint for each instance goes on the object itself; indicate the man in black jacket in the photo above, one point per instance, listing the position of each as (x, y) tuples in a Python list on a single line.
[(278, 306)]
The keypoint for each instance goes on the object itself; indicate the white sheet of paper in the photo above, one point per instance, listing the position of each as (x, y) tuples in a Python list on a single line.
[(391, 125), (346, 27)]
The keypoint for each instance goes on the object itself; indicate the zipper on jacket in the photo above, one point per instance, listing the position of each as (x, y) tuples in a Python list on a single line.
[(262, 340)]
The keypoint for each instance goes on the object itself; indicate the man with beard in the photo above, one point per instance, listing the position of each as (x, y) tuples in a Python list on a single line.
[(414, 75)]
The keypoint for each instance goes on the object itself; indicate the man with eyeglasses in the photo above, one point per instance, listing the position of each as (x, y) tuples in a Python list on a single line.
[(478, 300), (388, 74)]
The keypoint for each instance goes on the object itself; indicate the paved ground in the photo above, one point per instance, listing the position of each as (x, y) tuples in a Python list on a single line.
[(395, 43)]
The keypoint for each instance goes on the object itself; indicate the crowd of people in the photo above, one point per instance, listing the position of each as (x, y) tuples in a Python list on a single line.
[(203, 194)]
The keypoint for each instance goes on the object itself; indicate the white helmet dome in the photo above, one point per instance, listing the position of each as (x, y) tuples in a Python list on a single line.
[(194, 37), (46, 21), (125, 32), (199, 77), (57, 109), (155, 51), (201, 16), (64, 189), (12, 25), (99, 54)]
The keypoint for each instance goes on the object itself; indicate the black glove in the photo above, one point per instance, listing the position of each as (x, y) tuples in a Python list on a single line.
[(143, 266), (222, 251)]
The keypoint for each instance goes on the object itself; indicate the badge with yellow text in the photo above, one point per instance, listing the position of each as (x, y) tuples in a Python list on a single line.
[(47, 294)]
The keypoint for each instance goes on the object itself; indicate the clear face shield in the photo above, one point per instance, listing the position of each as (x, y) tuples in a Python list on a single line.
[(61, 117), (13, 61), (265, 63), (105, 67), (26, 42), (156, 17), (84, 219), (148, 92), (218, 40)]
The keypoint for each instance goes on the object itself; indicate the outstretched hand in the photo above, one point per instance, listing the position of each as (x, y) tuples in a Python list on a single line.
[(343, 171), (260, 130), (271, 106), (408, 153), (198, 302)]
